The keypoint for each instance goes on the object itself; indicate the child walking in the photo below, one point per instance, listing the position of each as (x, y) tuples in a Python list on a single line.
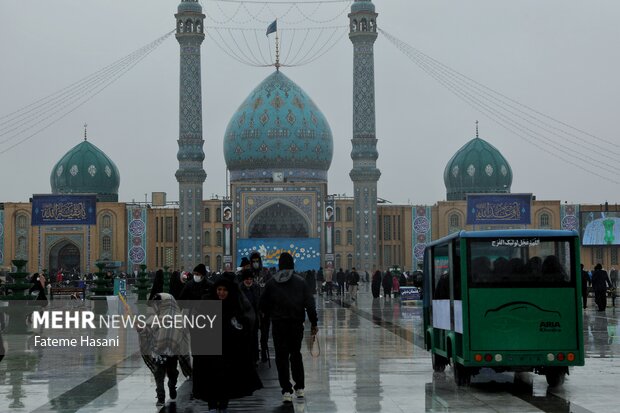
[(162, 347)]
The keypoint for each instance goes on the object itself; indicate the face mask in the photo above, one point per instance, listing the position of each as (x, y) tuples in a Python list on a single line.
[(256, 265), (197, 278)]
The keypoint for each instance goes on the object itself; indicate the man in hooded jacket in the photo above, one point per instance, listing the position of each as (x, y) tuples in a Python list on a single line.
[(286, 300)]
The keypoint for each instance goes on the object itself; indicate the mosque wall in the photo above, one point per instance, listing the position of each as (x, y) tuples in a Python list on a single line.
[(344, 224), (34, 243), (213, 235), (162, 241), (394, 248)]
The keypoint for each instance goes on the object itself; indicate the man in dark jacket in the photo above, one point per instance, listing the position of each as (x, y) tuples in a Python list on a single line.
[(198, 286), (340, 279), (600, 281), (285, 300), (353, 281)]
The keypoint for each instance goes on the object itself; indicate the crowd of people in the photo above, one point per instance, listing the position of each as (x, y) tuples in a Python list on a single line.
[(254, 300)]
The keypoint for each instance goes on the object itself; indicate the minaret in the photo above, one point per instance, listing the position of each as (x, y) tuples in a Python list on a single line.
[(363, 33), (191, 174)]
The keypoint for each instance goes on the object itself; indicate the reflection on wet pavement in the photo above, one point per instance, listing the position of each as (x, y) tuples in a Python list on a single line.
[(371, 360)]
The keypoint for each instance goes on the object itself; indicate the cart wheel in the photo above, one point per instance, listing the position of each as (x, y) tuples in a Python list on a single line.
[(555, 376), (439, 362), (462, 375)]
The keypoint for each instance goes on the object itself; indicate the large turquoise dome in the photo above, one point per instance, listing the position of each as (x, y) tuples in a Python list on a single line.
[(278, 129), (86, 169), (478, 167)]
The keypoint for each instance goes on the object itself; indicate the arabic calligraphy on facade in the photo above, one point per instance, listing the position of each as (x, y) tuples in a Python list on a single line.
[(64, 211), (500, 211)]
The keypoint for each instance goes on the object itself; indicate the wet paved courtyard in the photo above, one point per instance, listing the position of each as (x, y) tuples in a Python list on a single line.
[(371, 360)]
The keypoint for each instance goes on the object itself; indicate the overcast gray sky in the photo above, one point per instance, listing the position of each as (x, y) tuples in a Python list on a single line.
[(557, 56)]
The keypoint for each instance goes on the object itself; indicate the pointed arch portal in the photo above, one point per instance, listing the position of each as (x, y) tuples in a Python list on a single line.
[(66, 255), (278, 221)]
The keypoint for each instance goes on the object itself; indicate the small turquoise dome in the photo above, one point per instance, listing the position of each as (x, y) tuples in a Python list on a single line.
[(86, 169), (189, 6), (278, 128), (478, 167), (362, 5)]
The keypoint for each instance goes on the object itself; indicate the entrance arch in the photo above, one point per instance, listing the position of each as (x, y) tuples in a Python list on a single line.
[(66, 255), (278, 220)]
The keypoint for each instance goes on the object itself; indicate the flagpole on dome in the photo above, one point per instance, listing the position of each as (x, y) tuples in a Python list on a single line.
[(273, 27), (277, 51)]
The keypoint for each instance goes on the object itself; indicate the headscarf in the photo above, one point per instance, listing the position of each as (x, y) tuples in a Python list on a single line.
[(157, 341)]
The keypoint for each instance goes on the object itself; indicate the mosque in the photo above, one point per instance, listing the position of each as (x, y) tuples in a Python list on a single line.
[(278, 148)]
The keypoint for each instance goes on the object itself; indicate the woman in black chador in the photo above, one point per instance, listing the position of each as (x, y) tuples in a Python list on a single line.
[(233, 374), (376, 284)]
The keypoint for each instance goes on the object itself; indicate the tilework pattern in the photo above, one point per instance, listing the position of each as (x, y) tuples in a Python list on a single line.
[(364, 153), (191, 174), (278, 127)]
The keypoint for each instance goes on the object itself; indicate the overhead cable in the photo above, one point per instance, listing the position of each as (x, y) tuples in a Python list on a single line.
[(518, 118)]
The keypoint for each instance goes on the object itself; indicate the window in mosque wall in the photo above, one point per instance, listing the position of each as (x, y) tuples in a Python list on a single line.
[(455, 221), (544, 220), (169, 256), (337, 237), (169, 235), (106, 243), (21, 222), (349, 261), (106, 222), (21, 252), (349, 214), (349, 237), (161, 229), (387, 255), (156, 229), (598, 254), (387, 227)]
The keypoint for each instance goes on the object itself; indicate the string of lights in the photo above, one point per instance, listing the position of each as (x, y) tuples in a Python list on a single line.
[(60, 104), (242, 12), (523, 111), (524, 116), (518, 118), (234, 42)]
